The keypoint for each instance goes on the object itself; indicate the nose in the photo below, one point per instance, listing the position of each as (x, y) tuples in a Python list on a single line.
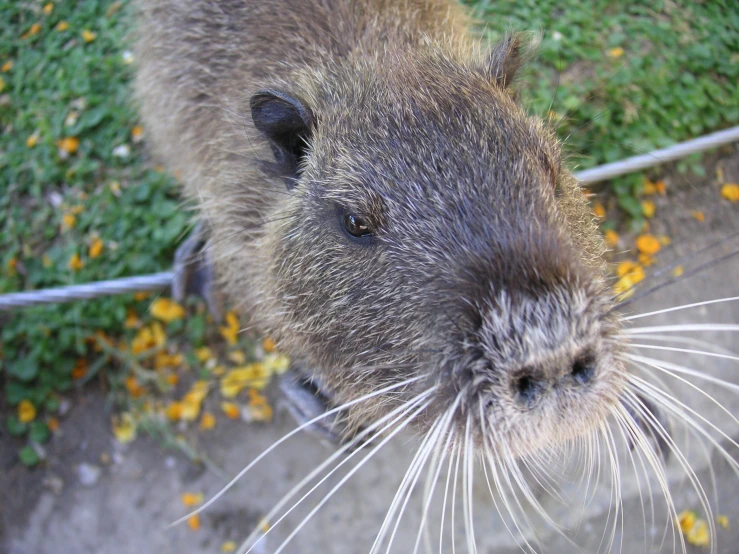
[(533, 383)]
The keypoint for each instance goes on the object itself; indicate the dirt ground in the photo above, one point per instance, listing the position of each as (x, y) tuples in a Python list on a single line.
[(95, 496)]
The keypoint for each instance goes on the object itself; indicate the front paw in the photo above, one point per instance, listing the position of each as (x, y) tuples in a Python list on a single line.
[(307, 400), (194, 272)]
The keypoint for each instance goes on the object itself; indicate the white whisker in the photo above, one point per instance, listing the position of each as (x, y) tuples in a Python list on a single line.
[(286, 437), (433, 475), (682, 369), (685, 350), (681, 328), (396, 415), (678, 408), (683, 307), (409, 482), (356, 468), (443, 506)]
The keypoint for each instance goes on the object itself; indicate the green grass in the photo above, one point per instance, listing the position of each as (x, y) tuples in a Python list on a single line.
[(131, 207), (677, 78)]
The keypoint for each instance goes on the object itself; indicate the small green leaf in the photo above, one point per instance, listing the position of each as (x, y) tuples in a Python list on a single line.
[(38, 432), (24, 369), (28, 456), (15, 427)]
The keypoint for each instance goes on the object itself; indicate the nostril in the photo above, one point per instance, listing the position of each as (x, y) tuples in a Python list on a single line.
[(527, 389), (583, 369)]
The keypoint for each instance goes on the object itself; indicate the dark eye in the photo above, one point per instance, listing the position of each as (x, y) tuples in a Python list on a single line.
[(356, 226)]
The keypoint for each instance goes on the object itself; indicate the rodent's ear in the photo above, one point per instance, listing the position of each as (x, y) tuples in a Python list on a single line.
[(509, 55), (287, 122)]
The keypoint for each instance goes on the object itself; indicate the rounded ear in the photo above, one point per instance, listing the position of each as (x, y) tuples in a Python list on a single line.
[(507, 57), (287, 122)]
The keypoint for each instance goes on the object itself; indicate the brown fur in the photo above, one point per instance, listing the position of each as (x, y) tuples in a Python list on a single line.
[(485, 261)]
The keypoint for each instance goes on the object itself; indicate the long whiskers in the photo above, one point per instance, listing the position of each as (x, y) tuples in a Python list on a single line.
[(288, 436)]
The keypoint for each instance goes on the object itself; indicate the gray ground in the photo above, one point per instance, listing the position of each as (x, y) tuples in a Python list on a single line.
[(137, 493)]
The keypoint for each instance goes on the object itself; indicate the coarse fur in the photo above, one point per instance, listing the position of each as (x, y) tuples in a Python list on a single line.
[(482, 280), (417, 130)]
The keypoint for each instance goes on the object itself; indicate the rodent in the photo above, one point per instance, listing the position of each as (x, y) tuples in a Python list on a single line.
[(291, 121), (378, 202)]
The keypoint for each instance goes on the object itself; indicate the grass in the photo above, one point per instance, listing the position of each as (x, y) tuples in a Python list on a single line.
[(81, 201), (622, 79)]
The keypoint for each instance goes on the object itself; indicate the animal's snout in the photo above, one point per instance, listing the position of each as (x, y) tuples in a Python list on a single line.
[(531, 384)]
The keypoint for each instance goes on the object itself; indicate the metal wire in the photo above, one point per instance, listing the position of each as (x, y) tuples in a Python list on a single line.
[(86, 291), (161, 280), (658, 157)]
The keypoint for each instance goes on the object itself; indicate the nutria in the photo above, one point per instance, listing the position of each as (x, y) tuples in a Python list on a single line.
[(376, 200)]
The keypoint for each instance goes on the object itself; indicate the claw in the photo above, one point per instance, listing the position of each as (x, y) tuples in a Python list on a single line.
[(306, 400), (194, 273), (650, 428)]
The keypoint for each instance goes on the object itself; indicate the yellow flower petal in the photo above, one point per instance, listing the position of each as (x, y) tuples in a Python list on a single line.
[(68, 221), (207, 421), (599, 210), (26, 411), (203, 354), (193, 522), (48, 8), (625, 268), (686, 521), (699, 535), (88, 36), (228, 546), (165, 359), (199, 390), (611, 238), (646, 260), (252, 375), (75, 263), (190, 408), (231, 410), (174, 411), (700, 216), (158, 335), (648, 208), (137, 133), (70, 145), (231, 329), (268, 345), (166, 310), (730, 191), (7, 66), (723, 521), (33, 30), (615, 52), (96, 248), (678, 271), (124, 428), (649, 187), (648, 244), (258, 408), (62, 26), (32, 140), (132, 386), (132, 320), (53, 424), (191, 499), (276, 363), (237, 357)]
